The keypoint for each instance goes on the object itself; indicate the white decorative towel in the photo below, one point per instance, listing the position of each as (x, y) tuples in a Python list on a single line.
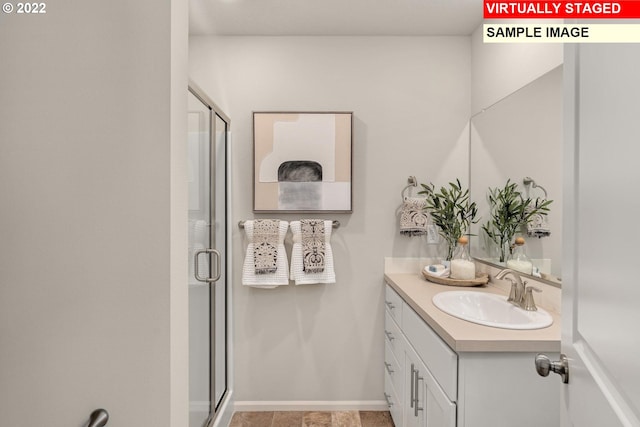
[(537, 226), (265, 280), (266, 237), (298, 273), (313, 245), (413, 217)]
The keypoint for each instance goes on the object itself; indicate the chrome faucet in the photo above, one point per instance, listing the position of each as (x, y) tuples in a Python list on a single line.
[(520, 294)]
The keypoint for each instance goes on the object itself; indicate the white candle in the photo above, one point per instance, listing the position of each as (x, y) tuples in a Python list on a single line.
[(521, 266), (463, 269)]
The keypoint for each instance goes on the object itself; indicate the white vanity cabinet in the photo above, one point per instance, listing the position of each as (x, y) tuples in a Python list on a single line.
[(428, 384), (415, 397)]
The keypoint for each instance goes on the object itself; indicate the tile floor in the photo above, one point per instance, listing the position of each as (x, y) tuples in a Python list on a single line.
[(312, 419)]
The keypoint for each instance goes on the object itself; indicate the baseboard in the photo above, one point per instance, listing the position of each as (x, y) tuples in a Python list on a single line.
[(312, 405)]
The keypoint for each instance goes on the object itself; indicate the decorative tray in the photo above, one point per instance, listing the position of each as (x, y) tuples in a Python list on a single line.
[(481, 279)]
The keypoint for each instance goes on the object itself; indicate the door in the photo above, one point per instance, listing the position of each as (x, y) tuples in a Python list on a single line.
[(427, 405), (91, 206), (600, 287), (207, 166)]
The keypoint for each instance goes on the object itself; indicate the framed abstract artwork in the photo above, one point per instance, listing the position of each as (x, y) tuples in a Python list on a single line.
[(302, 162)]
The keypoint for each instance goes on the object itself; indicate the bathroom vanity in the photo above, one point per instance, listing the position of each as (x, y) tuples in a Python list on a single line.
[(441, 371)]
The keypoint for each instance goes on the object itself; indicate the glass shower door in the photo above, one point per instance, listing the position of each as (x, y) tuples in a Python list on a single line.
[(219, 238), (207, 145)]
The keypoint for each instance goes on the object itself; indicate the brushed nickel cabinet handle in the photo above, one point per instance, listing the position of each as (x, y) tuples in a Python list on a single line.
[(389, 335), (388, 398), (417, 407), (388, 366), (412, 388)]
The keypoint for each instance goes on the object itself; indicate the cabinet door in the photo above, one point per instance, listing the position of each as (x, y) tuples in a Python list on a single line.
[(440, 411), (413, 407), (427, 405)]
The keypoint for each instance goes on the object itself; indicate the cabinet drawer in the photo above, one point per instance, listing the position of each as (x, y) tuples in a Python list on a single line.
[(435, 353), (393, 303), (393, 336), (395, 404), (395, 369)]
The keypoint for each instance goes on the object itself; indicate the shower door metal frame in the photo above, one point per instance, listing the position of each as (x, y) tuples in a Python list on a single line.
[(214, 111)]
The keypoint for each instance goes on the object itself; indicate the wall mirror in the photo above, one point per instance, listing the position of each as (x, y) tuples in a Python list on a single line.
[(520, 137)]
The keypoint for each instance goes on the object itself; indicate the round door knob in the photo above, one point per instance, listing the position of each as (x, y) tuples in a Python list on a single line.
[(98, 418), (544, 365)]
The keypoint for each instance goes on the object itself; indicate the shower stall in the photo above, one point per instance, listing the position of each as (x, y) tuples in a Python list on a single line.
[(209, 275)]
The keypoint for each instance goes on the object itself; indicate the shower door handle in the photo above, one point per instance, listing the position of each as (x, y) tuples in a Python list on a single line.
[(216, 273)]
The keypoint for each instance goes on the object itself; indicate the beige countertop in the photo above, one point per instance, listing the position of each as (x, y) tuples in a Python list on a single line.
[(463, 336)]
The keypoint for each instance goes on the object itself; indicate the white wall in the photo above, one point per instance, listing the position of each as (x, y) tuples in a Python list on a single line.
[(93, 297), (499, 69), (178, 208), (410, 98)]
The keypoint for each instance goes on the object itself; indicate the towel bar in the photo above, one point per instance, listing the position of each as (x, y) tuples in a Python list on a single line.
[(335, 224)]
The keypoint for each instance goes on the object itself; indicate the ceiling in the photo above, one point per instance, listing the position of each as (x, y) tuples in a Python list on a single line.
[(334, 17)]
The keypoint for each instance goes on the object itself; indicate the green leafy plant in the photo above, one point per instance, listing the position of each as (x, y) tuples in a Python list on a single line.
[(510, 211), (451, 210)]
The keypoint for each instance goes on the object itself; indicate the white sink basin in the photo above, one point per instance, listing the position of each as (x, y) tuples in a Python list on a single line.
[(490, 310)]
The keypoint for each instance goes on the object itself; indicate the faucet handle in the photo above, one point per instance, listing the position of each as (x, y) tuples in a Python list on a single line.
[(514, 292), (529, 304)]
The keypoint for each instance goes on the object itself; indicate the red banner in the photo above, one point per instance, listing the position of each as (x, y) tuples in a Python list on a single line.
[(629, 9)]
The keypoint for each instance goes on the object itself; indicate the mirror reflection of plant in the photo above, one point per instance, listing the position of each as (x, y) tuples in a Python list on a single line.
[(509, 212), (451, 210)]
